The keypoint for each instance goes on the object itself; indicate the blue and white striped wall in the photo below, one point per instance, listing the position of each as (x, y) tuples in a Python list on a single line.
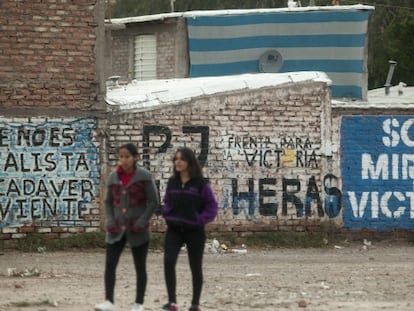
[(328, 40)]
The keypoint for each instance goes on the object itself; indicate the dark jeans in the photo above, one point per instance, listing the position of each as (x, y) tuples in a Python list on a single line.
[(113, 253), (194, 239)]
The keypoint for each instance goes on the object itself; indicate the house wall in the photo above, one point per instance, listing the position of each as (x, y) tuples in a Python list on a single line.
[(330, 40), (262, 151), (51, 115), (276, 157), (172, 55), (50, 176), (51, 59)]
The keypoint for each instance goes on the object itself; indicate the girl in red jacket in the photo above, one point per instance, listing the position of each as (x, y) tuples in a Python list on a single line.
[(131, 200)]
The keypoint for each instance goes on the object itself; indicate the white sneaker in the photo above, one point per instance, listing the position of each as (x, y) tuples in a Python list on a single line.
[(137, 307), (105, 306)]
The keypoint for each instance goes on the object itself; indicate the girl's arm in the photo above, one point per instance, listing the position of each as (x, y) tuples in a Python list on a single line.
[(210, 206), (152, 204), (110, 224), (167, 201)]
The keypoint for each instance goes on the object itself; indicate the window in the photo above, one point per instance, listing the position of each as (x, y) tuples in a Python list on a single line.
[(145, 57)]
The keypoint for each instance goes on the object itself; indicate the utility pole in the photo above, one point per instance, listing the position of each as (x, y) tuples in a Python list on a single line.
[(172, 5), (108, 10)]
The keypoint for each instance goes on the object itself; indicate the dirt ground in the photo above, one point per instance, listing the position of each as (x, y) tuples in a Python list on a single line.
[(351, 278)]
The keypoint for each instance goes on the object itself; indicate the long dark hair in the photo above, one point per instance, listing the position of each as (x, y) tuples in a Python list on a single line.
[(194, 167)]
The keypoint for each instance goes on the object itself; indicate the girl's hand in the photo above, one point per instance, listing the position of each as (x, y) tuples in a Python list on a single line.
[(112, 227), (138, 229)]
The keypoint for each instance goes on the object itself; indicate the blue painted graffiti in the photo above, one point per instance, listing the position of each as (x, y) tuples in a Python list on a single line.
[(377, 167), (250, 201), (241, 199), (333, 196), (48, 172)]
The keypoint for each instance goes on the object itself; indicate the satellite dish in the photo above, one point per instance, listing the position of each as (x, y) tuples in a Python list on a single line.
[(270, 61)]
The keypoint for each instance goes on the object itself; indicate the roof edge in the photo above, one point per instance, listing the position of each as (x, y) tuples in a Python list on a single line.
[(191, 14)]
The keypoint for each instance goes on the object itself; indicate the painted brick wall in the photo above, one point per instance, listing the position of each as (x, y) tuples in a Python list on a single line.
[(47, 54), (51, 105), (376, 165), (49, 176), (260, 149)]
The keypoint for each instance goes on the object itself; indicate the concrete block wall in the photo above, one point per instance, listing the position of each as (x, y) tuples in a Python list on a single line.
[(121, 51), (262, 151)]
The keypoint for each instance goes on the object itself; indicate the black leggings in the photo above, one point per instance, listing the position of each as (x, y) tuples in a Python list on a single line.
[(113, 252), (174, 240)]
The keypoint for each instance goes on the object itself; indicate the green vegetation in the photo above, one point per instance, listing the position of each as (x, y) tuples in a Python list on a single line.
[(263, 240), (285, 240), (252, 240), (96, 240), (41, 243), (410, 238), (81, 241), (124, 8)]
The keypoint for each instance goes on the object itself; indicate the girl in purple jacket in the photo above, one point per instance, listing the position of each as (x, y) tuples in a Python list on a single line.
[(189, 205)]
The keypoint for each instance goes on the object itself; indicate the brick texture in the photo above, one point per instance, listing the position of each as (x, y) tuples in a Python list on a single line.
[(122, 49), (249, 140), (47, 54)]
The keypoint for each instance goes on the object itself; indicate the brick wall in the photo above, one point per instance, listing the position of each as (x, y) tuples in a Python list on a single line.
[(47, 54), (121, 50), (261, 150), (51, 108), (120, 61), (50, 176), (166, 52)]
